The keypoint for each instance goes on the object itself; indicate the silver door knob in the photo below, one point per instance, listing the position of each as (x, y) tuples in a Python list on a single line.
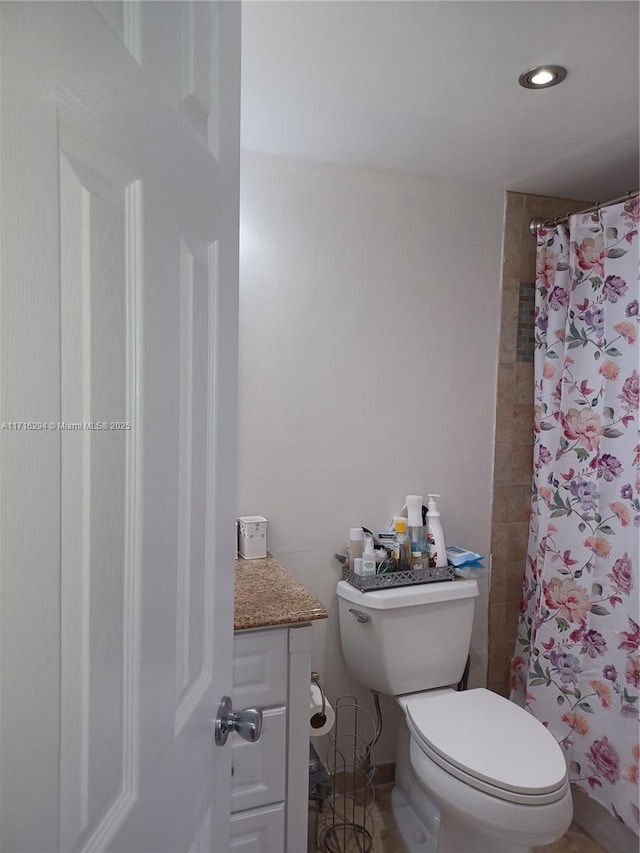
[(247, 724)]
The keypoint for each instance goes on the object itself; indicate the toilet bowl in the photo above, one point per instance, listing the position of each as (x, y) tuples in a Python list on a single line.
[(474, 772), (495, 773)]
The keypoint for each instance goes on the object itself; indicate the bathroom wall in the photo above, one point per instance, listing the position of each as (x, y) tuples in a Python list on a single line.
[(513, 452), (369, 305)]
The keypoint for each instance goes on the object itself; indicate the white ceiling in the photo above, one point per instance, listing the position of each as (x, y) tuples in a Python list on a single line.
[(431, 88)]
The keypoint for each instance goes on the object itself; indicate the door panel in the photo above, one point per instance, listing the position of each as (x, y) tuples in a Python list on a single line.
[(193, 664), (96, 514), (118, 321), (196, 91), (113, 11), (175, 43)]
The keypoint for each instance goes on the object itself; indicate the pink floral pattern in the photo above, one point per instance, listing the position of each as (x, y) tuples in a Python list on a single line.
[(576, 665)]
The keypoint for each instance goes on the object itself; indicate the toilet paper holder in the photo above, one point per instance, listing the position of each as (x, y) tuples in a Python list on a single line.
[(318, 720)]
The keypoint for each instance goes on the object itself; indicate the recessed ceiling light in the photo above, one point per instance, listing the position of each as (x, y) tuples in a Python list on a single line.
[(543, 77)]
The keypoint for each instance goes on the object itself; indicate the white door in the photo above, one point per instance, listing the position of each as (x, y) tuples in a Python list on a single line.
[(119, 148)]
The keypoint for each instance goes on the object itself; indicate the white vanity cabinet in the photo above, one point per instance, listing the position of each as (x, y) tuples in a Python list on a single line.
[(270, 781)]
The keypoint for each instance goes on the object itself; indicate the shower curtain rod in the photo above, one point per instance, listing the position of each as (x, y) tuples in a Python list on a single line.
[(538, 222)]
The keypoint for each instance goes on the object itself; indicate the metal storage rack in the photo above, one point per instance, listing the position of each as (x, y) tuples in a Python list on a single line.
[(346, 825), (388, 580)]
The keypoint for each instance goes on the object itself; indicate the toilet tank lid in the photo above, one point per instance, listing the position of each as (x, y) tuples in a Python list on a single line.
[(407, 596)]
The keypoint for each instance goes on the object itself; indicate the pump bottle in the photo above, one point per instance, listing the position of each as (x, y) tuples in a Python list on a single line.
[(419, 549), (435, 536)]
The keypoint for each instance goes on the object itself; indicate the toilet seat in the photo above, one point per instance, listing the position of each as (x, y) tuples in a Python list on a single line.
[(488, 743)]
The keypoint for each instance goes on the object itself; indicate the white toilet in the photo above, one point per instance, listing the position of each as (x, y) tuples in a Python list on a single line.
[(474, 772)]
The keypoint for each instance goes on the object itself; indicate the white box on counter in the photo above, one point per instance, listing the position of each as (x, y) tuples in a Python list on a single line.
[(252, 536)]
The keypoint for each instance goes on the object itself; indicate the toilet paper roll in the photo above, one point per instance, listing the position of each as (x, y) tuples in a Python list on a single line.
[(319, 723)]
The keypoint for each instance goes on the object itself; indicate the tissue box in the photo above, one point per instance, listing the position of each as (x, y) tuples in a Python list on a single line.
[(252, 536)]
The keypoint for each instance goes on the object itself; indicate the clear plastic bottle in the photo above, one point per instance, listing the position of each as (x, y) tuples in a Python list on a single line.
[(401, 545), (356, 544), (368, 558), (419, 548)]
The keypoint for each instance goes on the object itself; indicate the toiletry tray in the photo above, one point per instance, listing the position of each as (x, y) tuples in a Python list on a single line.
[(392, 579)]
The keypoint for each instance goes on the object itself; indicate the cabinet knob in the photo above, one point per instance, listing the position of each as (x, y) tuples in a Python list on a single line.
[(247, 723)]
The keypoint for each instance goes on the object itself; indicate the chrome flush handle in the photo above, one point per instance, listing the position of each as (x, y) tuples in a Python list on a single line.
[(247, 723), (360, 616)]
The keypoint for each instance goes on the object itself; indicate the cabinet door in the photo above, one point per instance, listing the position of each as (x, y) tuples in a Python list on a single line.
[(258, 830), (259, 768), (260, 663)]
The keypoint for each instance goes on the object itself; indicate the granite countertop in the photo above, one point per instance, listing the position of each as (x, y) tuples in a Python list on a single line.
[(267, 594)]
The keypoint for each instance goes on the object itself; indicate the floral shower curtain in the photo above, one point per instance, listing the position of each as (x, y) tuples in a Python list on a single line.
[(576, 660)]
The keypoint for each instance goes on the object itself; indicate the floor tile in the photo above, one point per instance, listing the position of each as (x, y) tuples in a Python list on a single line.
[(575, 841)]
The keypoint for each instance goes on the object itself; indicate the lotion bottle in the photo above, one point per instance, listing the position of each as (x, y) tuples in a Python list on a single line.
[(435, 536), (419, 549)]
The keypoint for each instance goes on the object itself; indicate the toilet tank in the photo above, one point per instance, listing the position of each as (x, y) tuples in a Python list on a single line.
[(407, 639)]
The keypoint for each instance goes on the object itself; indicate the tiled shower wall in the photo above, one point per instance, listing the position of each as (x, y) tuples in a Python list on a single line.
[(513, 462)]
